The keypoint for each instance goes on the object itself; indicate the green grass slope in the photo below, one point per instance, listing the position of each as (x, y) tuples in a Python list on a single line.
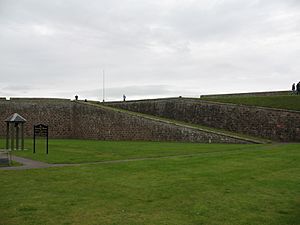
[(290, 102), (255, 186)]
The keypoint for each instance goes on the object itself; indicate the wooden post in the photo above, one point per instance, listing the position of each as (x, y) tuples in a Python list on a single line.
[(17, 136), (34, 140), (9, 159), (7, 135), (12, 137), (22, 136), (47, 142)]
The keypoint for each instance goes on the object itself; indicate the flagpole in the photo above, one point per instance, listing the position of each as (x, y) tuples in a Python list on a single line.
[(103, 87)]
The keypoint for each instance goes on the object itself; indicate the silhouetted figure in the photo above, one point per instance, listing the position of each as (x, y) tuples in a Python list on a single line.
[(76, 97), (298, 88), (85, 100), (124, 98), (293, 88)]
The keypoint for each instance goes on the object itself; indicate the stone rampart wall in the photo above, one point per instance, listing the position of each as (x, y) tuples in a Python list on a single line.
[(280, 125), (92, 122), (67, 119), (58, 114)]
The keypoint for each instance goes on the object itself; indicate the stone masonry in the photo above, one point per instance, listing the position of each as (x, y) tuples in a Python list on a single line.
[(279, 125), (55, 112), (67, 119), (112, 125)]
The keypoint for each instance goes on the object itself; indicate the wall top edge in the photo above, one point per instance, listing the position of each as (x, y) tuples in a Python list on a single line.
[(39, 99), (242, 94), (199, 101)]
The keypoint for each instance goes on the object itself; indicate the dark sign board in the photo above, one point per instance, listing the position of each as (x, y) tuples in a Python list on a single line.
[(40, 130)]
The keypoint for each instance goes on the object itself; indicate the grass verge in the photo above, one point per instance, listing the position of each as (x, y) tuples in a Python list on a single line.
[(254, 187), (289, 102)]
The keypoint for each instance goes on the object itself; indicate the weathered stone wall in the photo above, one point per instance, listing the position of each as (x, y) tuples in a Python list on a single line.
[(55, 112), (68, 119), (281, 125), (92, 122)]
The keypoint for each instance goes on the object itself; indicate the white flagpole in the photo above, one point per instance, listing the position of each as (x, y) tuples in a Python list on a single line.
[(103, 83)]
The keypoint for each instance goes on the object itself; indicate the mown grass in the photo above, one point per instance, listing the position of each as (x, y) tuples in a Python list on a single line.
[(79, 151), (290, 102), (255, 186)]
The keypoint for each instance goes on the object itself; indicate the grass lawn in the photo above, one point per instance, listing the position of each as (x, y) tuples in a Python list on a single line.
[(234, 184), (291, 102), (78, 151)]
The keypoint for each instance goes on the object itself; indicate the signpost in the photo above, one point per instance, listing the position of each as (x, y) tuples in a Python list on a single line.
[(40, 130)]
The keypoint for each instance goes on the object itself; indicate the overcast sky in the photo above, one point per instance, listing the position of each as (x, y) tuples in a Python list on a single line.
[(147, 48)]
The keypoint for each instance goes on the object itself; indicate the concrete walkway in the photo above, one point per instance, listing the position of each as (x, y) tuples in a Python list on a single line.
[(31, 164)]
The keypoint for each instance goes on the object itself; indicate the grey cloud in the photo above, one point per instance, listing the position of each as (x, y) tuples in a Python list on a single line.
[(177, 46), (231, 19), (17, 88)]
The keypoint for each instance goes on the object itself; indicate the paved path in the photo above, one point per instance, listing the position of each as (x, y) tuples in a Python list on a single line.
[(30, 164), (33, 164)]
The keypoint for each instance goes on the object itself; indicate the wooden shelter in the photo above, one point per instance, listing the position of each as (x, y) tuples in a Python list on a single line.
[(15, 132)]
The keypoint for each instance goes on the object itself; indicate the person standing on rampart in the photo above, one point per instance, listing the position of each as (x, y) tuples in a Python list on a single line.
[(298, 88), (293, 88)]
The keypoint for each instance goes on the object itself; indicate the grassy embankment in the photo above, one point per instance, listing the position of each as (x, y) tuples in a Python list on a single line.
[(290, 102), (234, 184)]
